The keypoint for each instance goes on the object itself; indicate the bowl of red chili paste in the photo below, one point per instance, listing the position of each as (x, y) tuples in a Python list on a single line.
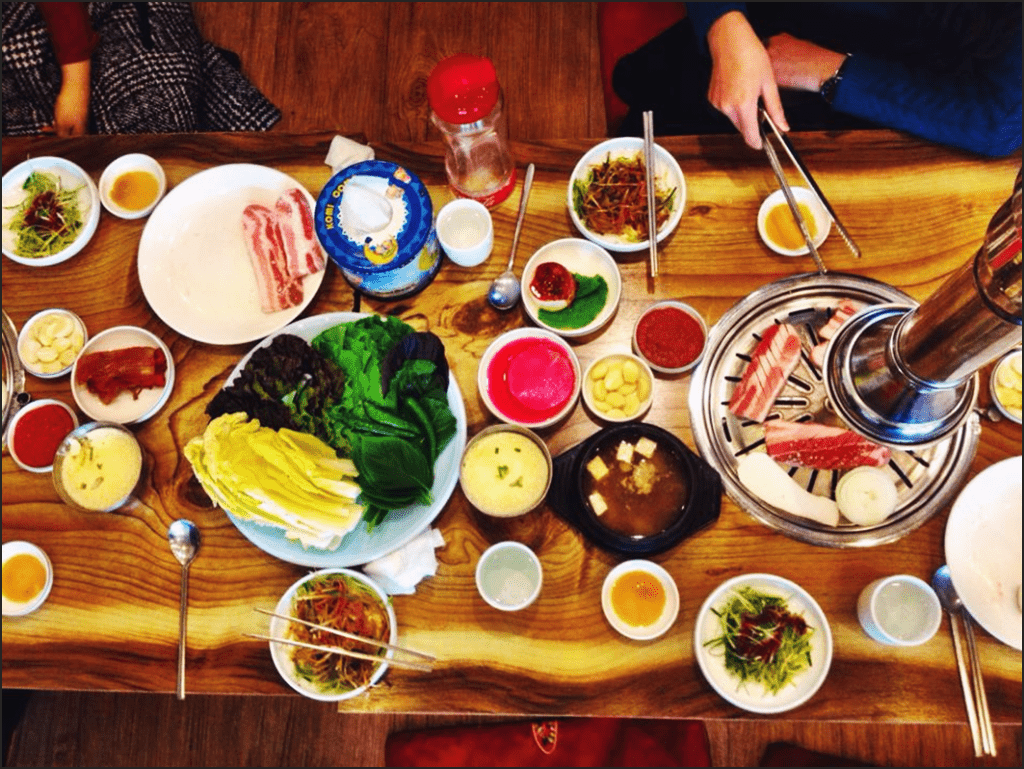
[(529, 377), (670, 336), (36, 432)]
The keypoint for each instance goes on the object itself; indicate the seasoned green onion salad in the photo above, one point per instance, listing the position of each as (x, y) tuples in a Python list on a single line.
[(48, 218)]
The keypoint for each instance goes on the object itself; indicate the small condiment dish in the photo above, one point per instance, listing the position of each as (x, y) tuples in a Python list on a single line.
[(509, 576), (25, 590), (1005, 386), (500, 475), (635, 589), (50, 341), (618, 387), (58, 419), (131, 186), (465, 231), (899, 610), (99, 467), (822, 221), (667, 341)]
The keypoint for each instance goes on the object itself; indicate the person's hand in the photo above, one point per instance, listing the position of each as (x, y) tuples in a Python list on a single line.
[(800, 64), (71, 108), (741, 74)]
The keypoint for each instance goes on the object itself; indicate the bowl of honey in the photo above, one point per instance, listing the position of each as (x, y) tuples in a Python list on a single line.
[(778, 228), (27, 578), (132, 185), (640, 599)]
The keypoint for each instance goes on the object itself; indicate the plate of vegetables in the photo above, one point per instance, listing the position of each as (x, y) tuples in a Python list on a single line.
[(763, 643), (51, 209), (336, 440)]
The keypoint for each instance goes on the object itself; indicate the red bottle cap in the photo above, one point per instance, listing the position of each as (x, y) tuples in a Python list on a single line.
[(463, 88)]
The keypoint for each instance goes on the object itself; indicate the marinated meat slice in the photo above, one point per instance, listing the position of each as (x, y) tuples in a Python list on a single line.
[(297, 234), (809, 444), (109, 373), (774, 359), (277, 289)]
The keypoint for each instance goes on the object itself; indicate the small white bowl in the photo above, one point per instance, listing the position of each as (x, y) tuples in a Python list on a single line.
[(70, 174), (126, 164), (20, 608), (498, 356), (281, 653), (672, 305), (669, 612), (1001, 369), (900, 610), (465, 231), (12, 443), (509, 576), (583, 258), (822, 221), (30, 333), (668, 173), (124, 409), (611, 412), (485, 490)]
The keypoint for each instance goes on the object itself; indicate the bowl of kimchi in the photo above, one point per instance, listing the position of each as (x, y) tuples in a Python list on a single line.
[(607, 194)]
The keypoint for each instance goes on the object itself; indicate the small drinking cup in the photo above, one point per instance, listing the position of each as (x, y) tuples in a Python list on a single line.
[(466, 232), (899, 610), (509, 576)]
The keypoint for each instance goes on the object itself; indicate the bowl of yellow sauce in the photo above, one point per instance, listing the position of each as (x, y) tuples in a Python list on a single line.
[(27, 578), (98, 467), (506, 471), (640, 599), (778, 227), (132, 185)]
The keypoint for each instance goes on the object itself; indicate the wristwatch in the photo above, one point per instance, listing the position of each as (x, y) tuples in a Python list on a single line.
[(828, 88)]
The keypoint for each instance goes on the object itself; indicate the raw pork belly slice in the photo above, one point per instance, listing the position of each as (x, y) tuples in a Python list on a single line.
[(277, 289), (809, 444), (297, 236), (774, 359), (842, 313)]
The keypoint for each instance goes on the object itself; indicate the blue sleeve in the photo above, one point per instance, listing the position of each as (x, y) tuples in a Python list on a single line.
[(703, 15)]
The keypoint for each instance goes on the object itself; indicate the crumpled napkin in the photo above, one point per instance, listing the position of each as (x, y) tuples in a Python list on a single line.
[(343, 152), (401, 570)]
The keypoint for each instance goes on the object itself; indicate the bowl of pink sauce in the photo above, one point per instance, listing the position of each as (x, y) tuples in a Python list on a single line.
[(529, 377)]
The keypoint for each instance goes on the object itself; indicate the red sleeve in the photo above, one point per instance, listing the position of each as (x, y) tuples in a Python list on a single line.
[(72, 36)]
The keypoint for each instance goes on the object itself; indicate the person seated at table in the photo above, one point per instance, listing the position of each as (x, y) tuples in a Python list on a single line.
[(946, 72), (74, 68)]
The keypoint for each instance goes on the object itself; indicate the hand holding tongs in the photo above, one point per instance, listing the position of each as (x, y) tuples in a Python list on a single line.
[(773, 158)]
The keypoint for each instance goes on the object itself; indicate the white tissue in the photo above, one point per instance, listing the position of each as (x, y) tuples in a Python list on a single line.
[(364, 211), (343, 152), (401, 570)]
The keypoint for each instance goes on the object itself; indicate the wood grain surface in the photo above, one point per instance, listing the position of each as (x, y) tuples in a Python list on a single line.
[(110, 623)]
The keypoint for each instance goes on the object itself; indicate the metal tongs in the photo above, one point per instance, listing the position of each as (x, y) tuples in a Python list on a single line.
[(773, 158)]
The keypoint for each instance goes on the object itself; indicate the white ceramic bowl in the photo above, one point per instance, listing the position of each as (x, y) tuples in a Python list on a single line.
[(12, 444), (133, 162), (88, 202), (669, 174), (498, 357), (583, 258), (465, 231), (751, 696), (822, 221), (31, 332), (20, 608), (509, 576), (124, 409), (483, 499), (1002, 368), (668, 614), (281, 653), (611, 412), (696, 316), (899, 610)]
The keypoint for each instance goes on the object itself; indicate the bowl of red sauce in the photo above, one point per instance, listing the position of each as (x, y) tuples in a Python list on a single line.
[(670, 336), (529, 377), (36, 432)]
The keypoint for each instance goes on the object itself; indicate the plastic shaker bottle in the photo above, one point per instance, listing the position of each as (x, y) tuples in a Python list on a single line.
[(466, 105)]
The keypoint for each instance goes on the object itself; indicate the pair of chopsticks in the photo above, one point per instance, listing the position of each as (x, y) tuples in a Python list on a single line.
[(426, 665), (773, 158), (652, 214), (977, 705)]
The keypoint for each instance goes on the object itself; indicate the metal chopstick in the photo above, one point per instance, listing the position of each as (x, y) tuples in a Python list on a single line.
[(988, 740), (965, 684), (652, 214)]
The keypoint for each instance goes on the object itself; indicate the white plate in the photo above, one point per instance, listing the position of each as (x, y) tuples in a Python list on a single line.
[(399, 526), (752, 696), (193, 264), (88, 203), (983, 549)]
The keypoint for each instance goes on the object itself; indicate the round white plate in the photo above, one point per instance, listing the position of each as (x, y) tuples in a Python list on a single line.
[(193, 263), (399, 526), (983, 549), (751, 696)]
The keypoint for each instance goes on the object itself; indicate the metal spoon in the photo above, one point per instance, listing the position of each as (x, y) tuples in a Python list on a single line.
[(504, 291), (980, 720), (183, 537)]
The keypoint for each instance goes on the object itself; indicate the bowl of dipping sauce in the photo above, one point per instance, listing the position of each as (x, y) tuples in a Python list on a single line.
[(37, 430), (509, 576), (98, 467), (778, 228), (670, 336), (618, 387), (132, 185), (899, 610), (529, 377), (640, 599), (466, 232), (50, 341), (27, 578), (1005, 386), (505, 471)]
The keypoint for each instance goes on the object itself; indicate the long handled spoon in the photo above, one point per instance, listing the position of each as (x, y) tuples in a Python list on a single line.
[(183, 537)]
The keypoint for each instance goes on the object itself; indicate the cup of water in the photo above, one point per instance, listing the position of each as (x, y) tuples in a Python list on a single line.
[(465, 231), (899, 610), (509, 576)]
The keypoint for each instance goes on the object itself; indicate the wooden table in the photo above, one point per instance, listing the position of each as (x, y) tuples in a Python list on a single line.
[(111, 622)]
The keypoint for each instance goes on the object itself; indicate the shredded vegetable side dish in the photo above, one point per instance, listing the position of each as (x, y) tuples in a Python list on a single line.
[(762, 640), (612, 199), (48, 218)]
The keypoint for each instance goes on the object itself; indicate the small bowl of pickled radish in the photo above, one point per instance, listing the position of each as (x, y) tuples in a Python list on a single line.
[(49, 343), (27, 578), (640, 599), (1005, 386), (132, 185), (618, 387), (778, 228)]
